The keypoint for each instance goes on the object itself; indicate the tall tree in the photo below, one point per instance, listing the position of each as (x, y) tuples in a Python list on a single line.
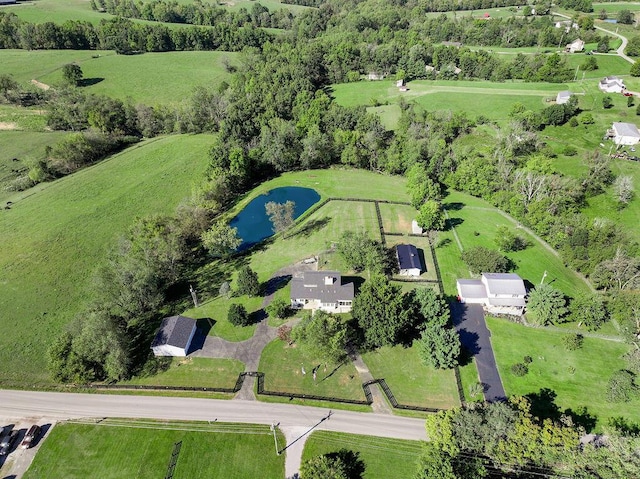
[(324, 335), (72, 74), (431, 216), (547, 304), (247, 282), (221, 239)]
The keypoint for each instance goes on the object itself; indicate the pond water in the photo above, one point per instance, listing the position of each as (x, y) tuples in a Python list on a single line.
[(253, 223)]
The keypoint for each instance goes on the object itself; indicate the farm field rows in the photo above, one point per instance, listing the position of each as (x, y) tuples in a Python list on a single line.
[(56, 235)]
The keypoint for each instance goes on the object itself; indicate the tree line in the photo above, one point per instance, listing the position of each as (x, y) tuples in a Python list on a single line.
[(126, 36)]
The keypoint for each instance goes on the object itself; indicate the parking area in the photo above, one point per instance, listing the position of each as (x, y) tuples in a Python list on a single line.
[(17, 461)]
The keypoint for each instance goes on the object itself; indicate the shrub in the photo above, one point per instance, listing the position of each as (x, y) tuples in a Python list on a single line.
[(587, 119), (237, 315), (570, 150), (284, 333), (573, 122), (247, 282), (519, 369), (621, 387), (278, 308), (480, 259), (527, 360), (572, 342)]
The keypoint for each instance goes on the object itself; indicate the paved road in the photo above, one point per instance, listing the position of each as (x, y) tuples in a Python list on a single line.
[(59, 406), (476, 337)]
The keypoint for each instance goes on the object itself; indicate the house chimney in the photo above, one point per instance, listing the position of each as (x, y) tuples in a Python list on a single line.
[(329, 280)]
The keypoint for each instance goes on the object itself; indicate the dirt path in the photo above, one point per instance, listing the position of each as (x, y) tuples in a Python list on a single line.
[(42, 86)]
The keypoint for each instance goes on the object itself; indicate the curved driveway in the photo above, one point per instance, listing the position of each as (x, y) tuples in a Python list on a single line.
[(60, 406)]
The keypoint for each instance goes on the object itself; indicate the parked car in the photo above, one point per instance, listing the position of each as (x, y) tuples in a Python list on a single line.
[(627, 93), (30, 437), (6, 446)]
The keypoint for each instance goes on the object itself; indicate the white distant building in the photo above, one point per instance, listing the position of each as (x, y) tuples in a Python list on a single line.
[(563, 97), (575, 46), (499, 293), (416, 229), (567, 25), (400, 83), (612, 84), (174, 336), (373, 76), (625, 134)]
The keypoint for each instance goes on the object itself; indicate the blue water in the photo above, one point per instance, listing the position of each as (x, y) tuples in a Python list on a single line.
[(253, 223)]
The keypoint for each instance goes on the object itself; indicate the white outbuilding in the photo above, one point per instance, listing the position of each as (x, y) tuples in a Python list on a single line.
[(499, 293), (563, 97), (611, 84), (174, 336), (625, 134)]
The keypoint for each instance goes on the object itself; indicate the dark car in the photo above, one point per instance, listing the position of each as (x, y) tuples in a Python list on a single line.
[(30, 437), (5, 446)]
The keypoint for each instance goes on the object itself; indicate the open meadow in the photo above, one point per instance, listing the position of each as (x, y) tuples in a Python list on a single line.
[(56, 234), (578, 378), (141, 78), (383, 457), (143, 450)]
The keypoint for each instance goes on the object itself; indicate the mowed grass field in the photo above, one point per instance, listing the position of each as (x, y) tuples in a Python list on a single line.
[(476, 223), (142, 78), (579, 378), (55, 236), (383, 458), (222, 451), (411, 382)]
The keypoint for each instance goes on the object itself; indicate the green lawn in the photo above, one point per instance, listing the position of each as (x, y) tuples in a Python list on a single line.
[(383, 457), (195, 372), (585, 385), (57, 11), (411, 382), (397, 218), (142, 78), (83, 451), (476, 226), (614, 7), (282, 366), (56, 235)]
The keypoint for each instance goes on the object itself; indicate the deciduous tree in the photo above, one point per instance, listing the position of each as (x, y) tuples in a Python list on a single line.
[(280, 215), (221, 239)]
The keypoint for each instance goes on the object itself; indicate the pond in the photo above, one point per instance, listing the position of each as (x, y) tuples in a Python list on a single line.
[(253, 223)]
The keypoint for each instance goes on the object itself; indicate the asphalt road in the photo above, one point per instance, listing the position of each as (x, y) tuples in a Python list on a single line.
[(59, 406), (476, 337)]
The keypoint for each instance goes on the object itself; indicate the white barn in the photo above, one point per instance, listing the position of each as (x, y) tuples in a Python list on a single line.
[(174, 336), (499, 293), (625, 134), (408, 260)]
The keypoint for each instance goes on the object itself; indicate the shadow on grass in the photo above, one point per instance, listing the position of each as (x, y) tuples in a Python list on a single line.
[(203, 326), (543, 406), (455, 206), (311, 227), (451, 223), (90, 81), (274, 284)]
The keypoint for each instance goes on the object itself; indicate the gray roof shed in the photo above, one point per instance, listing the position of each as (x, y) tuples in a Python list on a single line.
[(408, 257), (174, 331)]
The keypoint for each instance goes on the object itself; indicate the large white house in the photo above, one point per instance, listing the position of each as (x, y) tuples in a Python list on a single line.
[(322, 290), (612, 84), (499, 293), (575, 46), (625, 134), (174, 336)]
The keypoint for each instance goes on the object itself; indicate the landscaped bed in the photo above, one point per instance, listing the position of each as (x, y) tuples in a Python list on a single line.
[(411, 382)]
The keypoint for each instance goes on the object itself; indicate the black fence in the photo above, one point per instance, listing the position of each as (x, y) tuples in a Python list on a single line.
[(456, 371), (392, 399)]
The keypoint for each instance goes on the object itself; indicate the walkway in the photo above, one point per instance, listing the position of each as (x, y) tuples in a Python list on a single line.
[(476, 337), (379, 405)]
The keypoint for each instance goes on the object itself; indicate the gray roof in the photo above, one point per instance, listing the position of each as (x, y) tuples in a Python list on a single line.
[(408, 257), (626, 129), (313, 285), (504, 283), (471, 288), (507, 301), (564, 94), (174, 331)]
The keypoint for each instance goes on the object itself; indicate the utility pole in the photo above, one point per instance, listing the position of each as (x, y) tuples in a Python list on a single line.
[(194, 296), (275, 438), (543, 277)]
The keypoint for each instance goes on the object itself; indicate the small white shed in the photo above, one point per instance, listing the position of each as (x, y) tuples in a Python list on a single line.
[(174, 336), (626, 134)]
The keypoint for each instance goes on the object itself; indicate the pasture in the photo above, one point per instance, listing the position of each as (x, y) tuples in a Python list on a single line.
[(578, 378), (383, 457), (140, 78), (143, 449), (55, 235)]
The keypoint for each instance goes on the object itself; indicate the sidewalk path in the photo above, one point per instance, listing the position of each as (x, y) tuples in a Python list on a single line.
[(379, 405)]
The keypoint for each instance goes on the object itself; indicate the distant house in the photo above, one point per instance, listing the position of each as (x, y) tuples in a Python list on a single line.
[(563, 97), (567, 25), (400, 83), (499, 293), (408, 260), (322, 290), (575, 46), (375, 76), (416, 229), (452, 44), (625, 134), (174, 336), (611, 84)]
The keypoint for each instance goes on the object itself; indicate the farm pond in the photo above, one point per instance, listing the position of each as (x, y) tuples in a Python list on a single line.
[(253, 223)]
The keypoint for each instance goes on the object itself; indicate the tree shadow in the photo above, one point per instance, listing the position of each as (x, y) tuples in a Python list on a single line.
[(454, 206), (423, 261), (451, 223), (311, 227), (274, 284), (257, 316), (543, 406), (90, 81), (357, 281), (443, 243), (354, 466), (469, 341)]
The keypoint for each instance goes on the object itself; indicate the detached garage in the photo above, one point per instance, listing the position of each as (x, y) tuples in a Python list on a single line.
[(174, 336), (409, 262), (625, 134)]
